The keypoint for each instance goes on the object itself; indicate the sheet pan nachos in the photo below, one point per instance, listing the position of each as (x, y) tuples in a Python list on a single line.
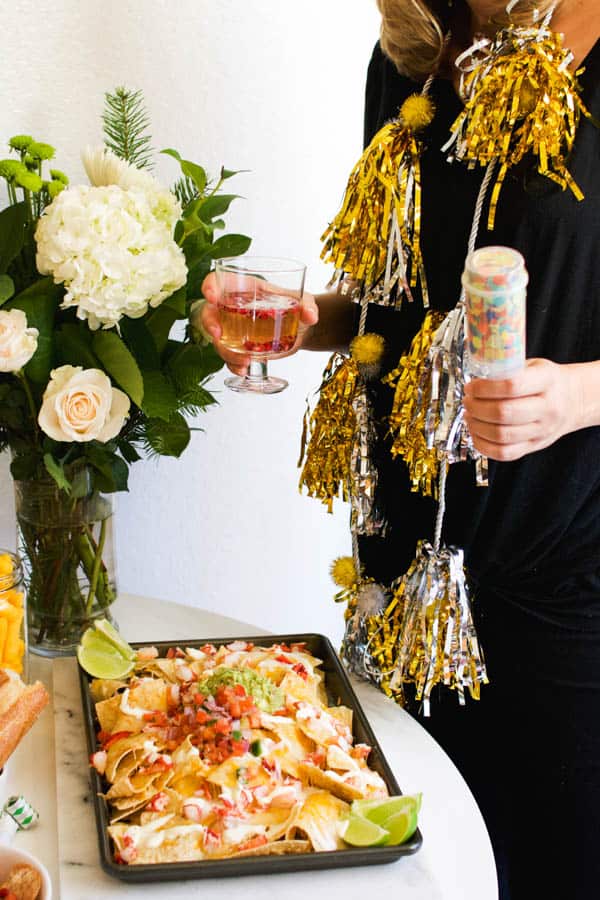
[(225, 752)]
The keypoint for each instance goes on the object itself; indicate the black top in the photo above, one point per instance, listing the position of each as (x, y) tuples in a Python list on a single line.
[(532, 536)]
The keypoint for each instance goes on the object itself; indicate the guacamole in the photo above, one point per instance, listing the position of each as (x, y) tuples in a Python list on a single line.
[(267, 695)]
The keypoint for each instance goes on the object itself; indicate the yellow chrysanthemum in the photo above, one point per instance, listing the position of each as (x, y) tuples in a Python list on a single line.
[(367, 349), (343, 572), (417, 112)]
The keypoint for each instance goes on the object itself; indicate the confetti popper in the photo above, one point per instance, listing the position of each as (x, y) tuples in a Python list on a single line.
[(522, 99), (426, 635), (375, 238), (494, 282), (17, 815)]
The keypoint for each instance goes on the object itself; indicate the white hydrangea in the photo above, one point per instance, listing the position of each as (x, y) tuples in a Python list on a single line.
[(112, 248)]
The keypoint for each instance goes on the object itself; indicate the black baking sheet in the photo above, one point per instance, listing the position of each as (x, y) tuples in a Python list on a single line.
[(339, 691)]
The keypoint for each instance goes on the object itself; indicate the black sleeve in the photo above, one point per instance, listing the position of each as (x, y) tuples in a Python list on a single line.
[(385, 92)]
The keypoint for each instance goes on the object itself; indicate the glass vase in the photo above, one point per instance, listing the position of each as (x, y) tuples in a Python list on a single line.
[(67, 549)]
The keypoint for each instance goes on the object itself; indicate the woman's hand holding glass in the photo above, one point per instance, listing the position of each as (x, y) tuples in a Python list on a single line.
[(208, 319)]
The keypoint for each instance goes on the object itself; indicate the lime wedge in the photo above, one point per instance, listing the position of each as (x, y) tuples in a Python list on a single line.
[(362, 833), (379, 811), (401, 826), (103, 663), (103, 627)]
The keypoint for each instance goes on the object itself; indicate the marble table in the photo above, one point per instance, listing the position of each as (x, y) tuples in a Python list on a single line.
[(50, 768)]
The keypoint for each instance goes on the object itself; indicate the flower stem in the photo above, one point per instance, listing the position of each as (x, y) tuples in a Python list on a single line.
[(30, 401), (96, 569)]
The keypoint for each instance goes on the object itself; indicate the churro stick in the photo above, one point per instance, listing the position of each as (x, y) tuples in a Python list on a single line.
[(17, 719)]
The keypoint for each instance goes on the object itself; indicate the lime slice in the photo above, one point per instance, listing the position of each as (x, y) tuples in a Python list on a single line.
[(379, 811), (103, 663), (401, 826), (362, 833), (103, 627)]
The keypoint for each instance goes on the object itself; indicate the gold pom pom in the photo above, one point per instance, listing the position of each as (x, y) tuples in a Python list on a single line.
[(417, 112), (343, 572), (367, 349)]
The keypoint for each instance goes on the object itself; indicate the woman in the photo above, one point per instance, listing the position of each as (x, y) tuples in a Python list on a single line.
[(530, 749)]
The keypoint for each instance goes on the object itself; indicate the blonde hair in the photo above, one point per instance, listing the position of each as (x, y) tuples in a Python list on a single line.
[(412, 31)]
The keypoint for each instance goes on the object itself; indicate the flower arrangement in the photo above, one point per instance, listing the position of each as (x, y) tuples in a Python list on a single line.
[(99, 364)]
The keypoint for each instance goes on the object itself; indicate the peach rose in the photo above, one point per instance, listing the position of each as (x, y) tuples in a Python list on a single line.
[(18, 343), (82, 405)]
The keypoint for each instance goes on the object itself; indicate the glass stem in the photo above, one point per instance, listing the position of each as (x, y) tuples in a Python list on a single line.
[(257, 370)]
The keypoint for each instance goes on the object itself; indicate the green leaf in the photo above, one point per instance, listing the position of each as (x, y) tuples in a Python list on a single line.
[(13, 220), (73, 344), (57, 472), (229, 173), (168, 438), (119, 363), (191, 364), (7, 288), (110, 472), (192, 170), (230, 245), (170, 152), (138, 338), (39, 302), (177, 303), (160, 399), (129, 453), (195, 172), (159, 323), (125, 125), (24, 466), (216, 205)]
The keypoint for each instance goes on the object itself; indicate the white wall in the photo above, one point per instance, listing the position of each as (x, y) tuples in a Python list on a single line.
[(272, 86)]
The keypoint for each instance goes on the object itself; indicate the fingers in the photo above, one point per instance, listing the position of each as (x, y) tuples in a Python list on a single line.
[(532, 379), (517, 411), (309, 311)]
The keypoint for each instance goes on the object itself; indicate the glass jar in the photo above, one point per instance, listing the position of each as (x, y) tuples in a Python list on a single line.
[(66, 544), (13, 620)]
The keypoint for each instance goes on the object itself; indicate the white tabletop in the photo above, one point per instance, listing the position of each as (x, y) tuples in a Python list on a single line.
[(454, 863)]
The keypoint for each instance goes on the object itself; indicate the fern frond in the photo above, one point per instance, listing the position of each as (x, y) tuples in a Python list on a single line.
[(125, 123), (185, 190)]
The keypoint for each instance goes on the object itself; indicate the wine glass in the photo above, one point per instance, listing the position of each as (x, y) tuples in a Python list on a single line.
[(259, 306)]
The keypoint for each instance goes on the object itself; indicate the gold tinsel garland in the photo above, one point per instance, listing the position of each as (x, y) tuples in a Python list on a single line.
[(378, 225), (522, 99), (332, 453), (407, 419)]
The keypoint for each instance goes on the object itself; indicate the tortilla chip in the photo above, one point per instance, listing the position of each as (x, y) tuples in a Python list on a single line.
[(160, 668), (105, 688), (297, 688), (120, 749), (329, 781), (178, 845), (343, 713), (320, 817), (125, 812), (107, 712), (274, 848)]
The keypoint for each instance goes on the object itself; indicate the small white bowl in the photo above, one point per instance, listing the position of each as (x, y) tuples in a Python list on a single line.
[(11, 856)]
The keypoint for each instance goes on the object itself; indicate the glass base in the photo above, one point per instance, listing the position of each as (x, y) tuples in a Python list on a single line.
[(65, 644), (247, 384)]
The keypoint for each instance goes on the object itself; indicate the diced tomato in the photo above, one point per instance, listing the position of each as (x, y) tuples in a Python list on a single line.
[(202, 716), (175, 653), (222, 726), (254, 720), (199, 699), (209, 649), (319, 758), (239, 747), (111, 739), (257, 841), (284, 659), (239, 690), (298, 648), (159, 802), (300, 670), (285, 647), (6, 892)]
